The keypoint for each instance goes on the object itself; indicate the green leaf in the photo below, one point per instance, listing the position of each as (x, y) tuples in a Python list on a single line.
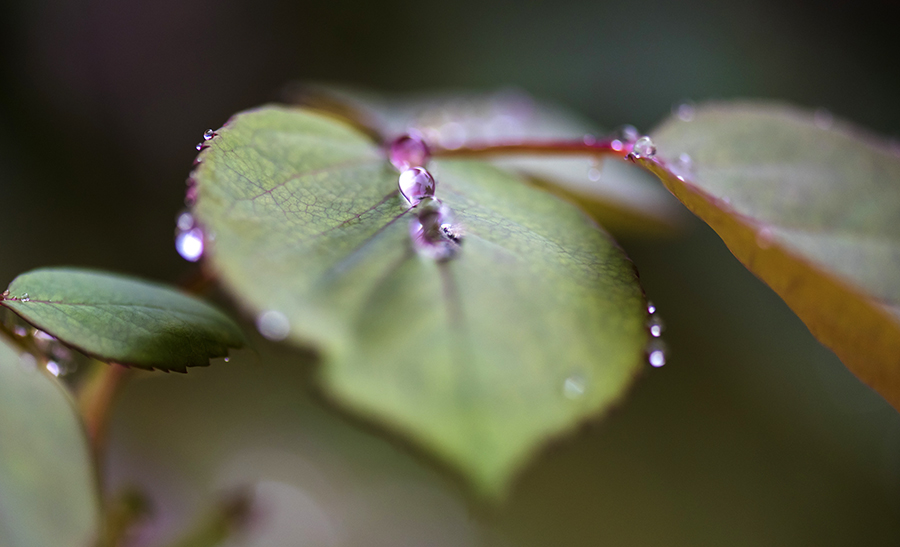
[(469, 358), (123, 320), (621, 197), (48, 492), (811, 206)]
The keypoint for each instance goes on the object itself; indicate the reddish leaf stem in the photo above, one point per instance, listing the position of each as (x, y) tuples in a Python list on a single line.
[(587, 146)]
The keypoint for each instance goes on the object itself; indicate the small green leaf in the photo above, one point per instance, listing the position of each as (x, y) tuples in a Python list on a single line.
[(535, 326), (123, 320), (811, 206), (48, 493)]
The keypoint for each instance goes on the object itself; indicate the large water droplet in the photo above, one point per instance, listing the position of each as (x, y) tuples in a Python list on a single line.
[(409, 151), (209, 134), (273, 325), (189, 244), (415, 184), (574, 386), (644, 148), (656, 353)]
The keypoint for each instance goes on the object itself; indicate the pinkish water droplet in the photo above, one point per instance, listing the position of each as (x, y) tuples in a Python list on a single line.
[(415, 184), (644, 148), (409, 151)]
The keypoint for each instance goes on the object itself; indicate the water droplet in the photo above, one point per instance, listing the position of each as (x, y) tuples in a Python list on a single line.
[(415, 184), (200, 146), (823, 119), (644, 148), (589, 139), (685, 112), (185, 221), (651, 309), (764, 238), (209, 134), (190, 197), (409, 151), (27, 362), (616, 145), (189, 244), (227, 359), (655, 326), (434, 232), (43, 336), (25, 298), (656, 353), (54, 368), (273, 325), (629, 133), (5, 294), (20, 331), (682, 166), (574, 386), (593, 174)]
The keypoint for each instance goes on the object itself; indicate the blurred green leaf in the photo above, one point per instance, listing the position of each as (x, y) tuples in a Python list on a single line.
[(48, 493), (621, 197), (811, 206), (123, 320), (535, 326)]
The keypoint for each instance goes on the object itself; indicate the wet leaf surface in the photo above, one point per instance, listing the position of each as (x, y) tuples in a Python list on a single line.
[(468, 358), (622, 198), (48, 493), (123, 320), (811, 206)]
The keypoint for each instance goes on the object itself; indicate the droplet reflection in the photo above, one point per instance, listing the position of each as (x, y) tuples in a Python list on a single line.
[(574, 387), (273, 325)]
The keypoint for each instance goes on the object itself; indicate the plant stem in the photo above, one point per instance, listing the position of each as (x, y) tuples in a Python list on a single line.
[(95, 400), (590, 147)]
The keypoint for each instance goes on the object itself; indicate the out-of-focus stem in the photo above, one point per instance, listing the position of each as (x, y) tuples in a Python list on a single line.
[(95, 400)]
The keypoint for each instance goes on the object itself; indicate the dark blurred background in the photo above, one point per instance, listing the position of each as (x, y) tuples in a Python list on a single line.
[(753, 434)]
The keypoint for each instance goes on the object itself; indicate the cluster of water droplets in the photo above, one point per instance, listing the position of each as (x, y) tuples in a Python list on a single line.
[(57, 358), (189, 238), (434, 232), (656, 349)]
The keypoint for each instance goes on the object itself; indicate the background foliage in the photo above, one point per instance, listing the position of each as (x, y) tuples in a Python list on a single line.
[(753, 433)]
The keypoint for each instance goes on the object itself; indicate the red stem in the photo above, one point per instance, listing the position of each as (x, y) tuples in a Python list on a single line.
[(600, 147)]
